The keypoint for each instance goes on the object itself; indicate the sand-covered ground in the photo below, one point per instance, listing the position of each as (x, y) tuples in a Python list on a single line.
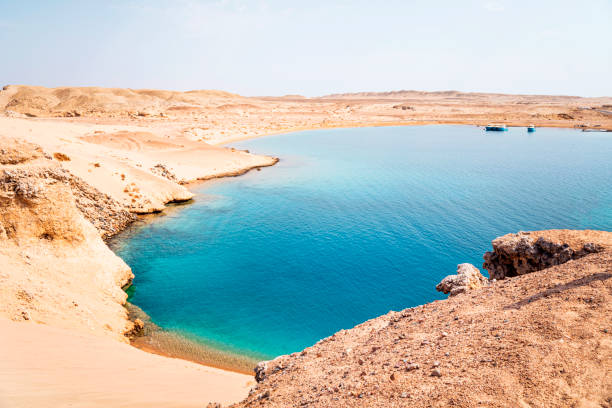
[(217, 117), (77, 164), (77, 370)]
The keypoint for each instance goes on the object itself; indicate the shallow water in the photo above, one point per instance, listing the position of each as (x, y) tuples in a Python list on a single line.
[(353, 223)]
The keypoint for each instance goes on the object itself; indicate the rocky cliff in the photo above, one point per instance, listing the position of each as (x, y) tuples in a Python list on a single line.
[(539, 339), (525, 252), (55, 267)]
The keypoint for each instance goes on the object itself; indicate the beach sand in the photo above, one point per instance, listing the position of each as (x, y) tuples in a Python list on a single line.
[(44, 366)]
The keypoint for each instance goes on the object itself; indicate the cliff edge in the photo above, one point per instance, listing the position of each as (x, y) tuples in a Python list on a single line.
[(55, 267), (540, 337)]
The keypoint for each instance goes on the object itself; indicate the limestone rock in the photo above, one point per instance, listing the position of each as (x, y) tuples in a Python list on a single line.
[(468, 277), (260, 371), (526, 252), (55, 268), (163, 171)]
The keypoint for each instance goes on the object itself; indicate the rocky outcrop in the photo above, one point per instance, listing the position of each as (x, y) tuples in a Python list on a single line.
[(542, 339), (468, 277), (106, 214), (260, 371), (55, 267), (525, 252), (163, 171)]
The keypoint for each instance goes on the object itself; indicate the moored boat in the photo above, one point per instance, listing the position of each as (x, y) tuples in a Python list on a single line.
[(496, 127), (531, 128)]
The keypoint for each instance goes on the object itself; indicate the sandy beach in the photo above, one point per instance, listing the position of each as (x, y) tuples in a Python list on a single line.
[(88, 371)]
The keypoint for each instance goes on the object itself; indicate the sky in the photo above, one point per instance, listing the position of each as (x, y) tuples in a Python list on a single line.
[(311, 47)]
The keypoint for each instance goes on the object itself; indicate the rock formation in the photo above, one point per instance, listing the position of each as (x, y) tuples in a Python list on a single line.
[(525, 252), (468, 277), (55, 267)]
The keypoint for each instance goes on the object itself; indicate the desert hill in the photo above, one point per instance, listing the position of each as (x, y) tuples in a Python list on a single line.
[(219, 117), (541, 339)]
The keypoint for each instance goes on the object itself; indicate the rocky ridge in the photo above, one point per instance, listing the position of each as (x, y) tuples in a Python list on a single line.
[(540, 339)]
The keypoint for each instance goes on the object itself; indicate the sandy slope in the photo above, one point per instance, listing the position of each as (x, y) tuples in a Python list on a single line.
[(63, 326), (75, 370), (119, 160)]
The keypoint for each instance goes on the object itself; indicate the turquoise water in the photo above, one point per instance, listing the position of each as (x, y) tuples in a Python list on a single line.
[(353, 223)]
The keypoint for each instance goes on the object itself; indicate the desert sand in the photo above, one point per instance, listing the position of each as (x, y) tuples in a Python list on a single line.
[(77, 164), (79, 370)]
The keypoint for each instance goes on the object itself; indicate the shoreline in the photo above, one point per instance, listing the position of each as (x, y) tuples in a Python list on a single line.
[(396, 124), (155, 339), (160, 350), (194, 349)]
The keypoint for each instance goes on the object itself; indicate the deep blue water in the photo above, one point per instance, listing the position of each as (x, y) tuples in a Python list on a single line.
[(353, 223)]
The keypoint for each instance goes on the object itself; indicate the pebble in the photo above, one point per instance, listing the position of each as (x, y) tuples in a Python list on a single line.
[(436, 373), (404, 395), (413, 366), (436, 364)]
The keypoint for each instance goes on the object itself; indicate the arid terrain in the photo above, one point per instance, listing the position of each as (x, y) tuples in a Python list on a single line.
[(541, 339), (65, 332), (79, 164), (217, 117)]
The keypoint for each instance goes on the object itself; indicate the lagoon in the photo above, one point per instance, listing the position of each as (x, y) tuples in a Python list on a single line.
[(352, 223)]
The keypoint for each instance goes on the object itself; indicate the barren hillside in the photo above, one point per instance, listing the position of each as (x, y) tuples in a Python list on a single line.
[(219, 117), (541, 339)]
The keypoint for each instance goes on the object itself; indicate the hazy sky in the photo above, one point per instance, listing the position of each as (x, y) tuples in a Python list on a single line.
[(311, 47)]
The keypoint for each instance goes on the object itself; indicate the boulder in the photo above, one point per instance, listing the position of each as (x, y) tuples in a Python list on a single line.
[(468, 277), (260, 371), (526, 252)]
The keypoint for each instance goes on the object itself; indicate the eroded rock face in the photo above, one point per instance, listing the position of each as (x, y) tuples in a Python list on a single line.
[(106, 214), (525, 252), (54, 267), (28, 181), (468, 277)]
